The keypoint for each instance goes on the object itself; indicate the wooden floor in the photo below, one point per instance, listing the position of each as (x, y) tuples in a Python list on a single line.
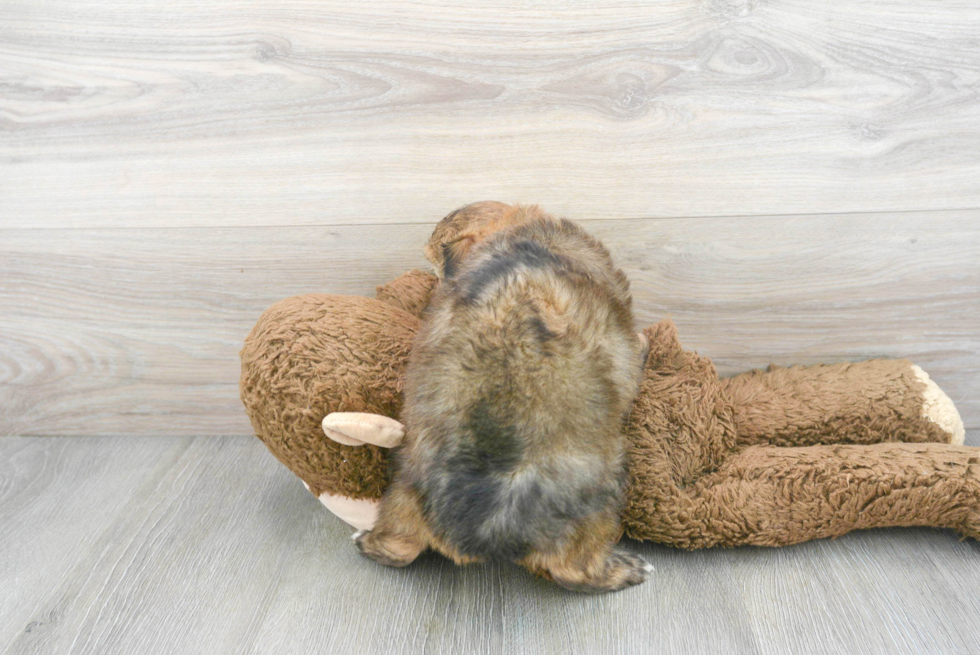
[(791, 180), (208, 545)]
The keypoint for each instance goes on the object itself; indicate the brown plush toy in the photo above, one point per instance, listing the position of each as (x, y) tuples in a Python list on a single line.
[(768, 458)]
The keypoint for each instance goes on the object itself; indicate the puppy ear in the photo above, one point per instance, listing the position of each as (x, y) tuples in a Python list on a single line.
[(455, 234), (448, 261), (453, 253)]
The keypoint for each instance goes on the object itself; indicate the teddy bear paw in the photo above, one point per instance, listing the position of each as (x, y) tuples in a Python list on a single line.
[(938, 408)]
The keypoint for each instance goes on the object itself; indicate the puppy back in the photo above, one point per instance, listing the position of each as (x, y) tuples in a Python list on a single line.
[(516, 390)]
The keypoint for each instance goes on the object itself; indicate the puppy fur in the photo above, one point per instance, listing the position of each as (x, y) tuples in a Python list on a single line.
[(515, 395)]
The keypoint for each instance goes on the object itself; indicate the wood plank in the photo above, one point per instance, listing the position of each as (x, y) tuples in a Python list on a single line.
[(160, 545), (125, 331), (139, 542), (305, 112)]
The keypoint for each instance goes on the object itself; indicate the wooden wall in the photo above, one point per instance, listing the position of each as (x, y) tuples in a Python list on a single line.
[(792, 183)]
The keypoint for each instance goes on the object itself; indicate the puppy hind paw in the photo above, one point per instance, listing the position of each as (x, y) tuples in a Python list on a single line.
[(627, 569), (389, 552), (619, 570)]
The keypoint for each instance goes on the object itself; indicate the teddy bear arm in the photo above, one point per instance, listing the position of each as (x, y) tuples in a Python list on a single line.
[(773, 496), (409, 292), (866, 402)]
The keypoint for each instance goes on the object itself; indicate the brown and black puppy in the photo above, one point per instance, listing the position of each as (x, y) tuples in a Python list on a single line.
[(515, 395)]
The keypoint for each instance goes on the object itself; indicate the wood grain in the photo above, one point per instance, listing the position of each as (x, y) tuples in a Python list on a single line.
[(137, 331), (187, 545), (311, 112)]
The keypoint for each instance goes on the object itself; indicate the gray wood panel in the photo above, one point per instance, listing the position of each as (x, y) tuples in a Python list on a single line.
[(192, 545), (133, 331), (295, 112)]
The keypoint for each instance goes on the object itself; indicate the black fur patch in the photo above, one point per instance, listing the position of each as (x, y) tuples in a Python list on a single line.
[(521, 254), (495, 446), (540, 330), (448, 261), (474, 504), (469, 500), (471, 493)]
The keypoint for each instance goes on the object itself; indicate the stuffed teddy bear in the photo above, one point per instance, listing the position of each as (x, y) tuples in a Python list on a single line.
[(768, 458)]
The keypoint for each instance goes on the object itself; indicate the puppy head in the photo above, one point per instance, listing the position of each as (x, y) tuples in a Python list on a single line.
[(457, 233)]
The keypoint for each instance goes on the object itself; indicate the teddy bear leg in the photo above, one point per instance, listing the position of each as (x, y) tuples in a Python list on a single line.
[(772, 496), (863, 403)]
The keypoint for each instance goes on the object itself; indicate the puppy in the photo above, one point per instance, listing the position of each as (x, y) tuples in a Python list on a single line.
[(515, 395)]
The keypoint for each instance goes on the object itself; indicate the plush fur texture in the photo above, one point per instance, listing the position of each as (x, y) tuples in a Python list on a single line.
[(767, 458), (311, 355), (787, 455)]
